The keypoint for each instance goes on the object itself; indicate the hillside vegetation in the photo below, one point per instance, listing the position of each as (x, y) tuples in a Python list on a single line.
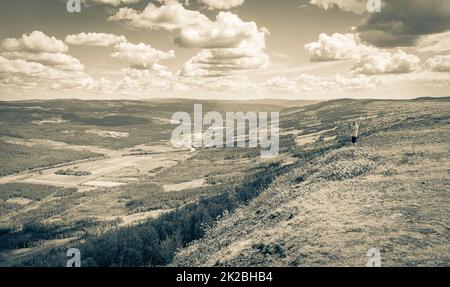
[(320, 202), (390, 192)]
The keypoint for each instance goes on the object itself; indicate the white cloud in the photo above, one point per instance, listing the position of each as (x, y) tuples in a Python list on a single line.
[(35, 42), (369, 60), (114, 3), (12, 82), (336, 83), (439, 63), (70, 83), (223, 62), (162, 71), (56, 60), (337, 47), (19, 66), (229, 85), (227, 31), (304, 84), (170, 16), (40, 48), (385, 62), (229, 44), (281, 85), (25, 70), (355, 6), (221, 4), (436, 43), (193, 29), (36, 57), (140, 56), (95, 39), (140, 82), (429, 78)]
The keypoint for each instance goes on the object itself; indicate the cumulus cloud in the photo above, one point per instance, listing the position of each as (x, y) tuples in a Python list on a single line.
[(369, 60), (12, 82), (355, 6), (25, 72), (402, 22), (56, 60), (221, 4), (281, 85), (193, 29), (19, 66), (133, 82), (305, 84), (137, 81), (230, 85), (386, 62), (229, 44), (40, 48), (94, 39), (140, 56), (78, 82), (223, 62), (337, 47), (114, 3), (439, 63), (436, 43), (336, 83), (171, 16), (137, 56), (36, 57), (287, 87), (227, 31), (36, 41)]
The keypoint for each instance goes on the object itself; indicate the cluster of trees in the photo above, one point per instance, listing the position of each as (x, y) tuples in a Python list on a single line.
[(29, 191), (169, 200), (73, 172), (33, 234), (155, 242), (15, 158)]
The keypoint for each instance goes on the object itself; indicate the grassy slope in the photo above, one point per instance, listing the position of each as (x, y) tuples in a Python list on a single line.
[(390, 192)]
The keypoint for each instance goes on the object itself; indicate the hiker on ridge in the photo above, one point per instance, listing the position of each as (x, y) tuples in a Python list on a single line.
[(354, 129)]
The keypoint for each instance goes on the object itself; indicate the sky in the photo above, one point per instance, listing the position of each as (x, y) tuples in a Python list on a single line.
[(224, 49)]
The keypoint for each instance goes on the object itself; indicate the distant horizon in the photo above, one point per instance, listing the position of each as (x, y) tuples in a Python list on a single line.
[(229, 100)]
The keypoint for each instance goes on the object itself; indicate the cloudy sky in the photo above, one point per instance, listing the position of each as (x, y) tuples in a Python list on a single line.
[(224, 49)]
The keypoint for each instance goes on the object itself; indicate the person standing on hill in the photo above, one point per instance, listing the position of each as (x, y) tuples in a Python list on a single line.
[(354, 129)]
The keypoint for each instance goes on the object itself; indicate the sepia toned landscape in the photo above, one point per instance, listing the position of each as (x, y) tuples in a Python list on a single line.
[(224, 133), (320, 202)]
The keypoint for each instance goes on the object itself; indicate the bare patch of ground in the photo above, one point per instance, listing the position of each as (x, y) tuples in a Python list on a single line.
[(100, 183), (136, 218), (109, 134), (107, 172), (310, 138), (49, 121), (185, 185), (19, 200)]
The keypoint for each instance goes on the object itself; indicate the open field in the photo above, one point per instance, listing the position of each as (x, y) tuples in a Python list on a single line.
[(117, 168)]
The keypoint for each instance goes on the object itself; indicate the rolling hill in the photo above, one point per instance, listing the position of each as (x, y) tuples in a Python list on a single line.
[(390, 192)]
